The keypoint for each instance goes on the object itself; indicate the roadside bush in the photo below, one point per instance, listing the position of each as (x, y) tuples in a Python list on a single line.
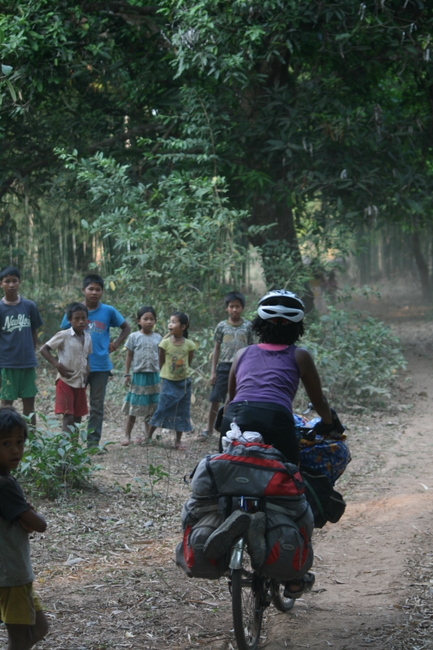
[(357, 358), (54, 460)]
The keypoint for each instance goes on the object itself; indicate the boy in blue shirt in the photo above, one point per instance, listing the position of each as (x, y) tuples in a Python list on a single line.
[(19, 321), (101, 317)]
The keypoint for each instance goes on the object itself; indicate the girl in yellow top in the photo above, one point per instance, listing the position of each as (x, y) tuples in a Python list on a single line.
[(175, 355)]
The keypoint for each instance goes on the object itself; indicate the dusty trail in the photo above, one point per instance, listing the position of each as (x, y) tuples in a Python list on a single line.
[(362, 576)]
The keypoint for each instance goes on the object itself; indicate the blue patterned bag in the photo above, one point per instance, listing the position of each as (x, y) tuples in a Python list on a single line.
[(326, 456)]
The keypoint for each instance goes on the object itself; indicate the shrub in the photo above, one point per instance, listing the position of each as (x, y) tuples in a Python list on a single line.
[(55, 460), (357, 358)]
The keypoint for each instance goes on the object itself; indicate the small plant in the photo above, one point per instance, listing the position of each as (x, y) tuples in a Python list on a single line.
[(156, 474), (55, 460)]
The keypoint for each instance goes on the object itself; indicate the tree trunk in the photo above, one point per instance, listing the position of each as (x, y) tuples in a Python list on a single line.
[(422, 266), (279, 246)]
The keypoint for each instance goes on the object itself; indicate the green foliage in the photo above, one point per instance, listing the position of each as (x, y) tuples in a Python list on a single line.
[(89, 76), (357, 358), (176, 243), (327, 103), (55, 461), (312, 116)]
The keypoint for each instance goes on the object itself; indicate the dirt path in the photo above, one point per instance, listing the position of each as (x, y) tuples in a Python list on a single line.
[(105, 566), (363, 572)]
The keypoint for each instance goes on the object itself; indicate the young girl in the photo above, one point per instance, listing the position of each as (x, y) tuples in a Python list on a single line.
[(142, 358), (175, 356)]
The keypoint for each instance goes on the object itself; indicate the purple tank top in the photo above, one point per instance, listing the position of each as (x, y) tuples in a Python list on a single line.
[(267, 376)]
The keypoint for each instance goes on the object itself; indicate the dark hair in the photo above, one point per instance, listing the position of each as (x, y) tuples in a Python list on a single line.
[(183, 320), (73, 307), (10, 419), (9, 270), (283, 331), (92, 278), (144, 310), (234, 295)]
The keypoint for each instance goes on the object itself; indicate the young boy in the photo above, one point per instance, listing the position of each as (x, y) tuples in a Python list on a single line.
[(19, 320), (230, 336), (73, 347), (101, 317), (20, 608)]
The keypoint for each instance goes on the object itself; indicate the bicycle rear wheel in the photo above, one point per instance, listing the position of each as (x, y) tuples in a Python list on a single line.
[(249, 601), (277, 592)]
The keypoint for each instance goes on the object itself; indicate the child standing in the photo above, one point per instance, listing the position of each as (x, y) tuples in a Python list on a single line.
[(73, 347), (175, 355), (101, 318), (20, 608), (230, 336), (142, 359), (19, 320)]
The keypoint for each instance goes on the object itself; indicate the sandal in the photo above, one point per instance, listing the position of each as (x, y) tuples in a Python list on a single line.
[(125, 442), (304, 584)]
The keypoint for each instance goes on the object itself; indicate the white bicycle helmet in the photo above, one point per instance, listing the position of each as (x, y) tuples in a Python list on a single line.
[(280, 303)]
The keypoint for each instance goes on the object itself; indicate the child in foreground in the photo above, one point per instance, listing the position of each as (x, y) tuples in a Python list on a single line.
[(175, 355), (142, 359), (73, 347), (20, 608)]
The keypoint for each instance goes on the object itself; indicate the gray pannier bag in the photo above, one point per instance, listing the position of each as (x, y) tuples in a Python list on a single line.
[(246, 469), (250, 470), (289, 526), (200, 519)]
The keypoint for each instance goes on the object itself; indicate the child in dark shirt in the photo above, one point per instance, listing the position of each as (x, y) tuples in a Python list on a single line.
[(20, 608), (19, 320)]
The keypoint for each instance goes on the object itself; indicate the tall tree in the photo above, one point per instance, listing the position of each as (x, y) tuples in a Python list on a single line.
[(317, 108)]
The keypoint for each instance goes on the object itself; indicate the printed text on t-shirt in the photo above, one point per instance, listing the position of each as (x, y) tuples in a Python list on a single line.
[(16, 323)]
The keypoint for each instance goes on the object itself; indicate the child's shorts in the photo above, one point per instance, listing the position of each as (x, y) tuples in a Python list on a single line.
[(70, 400), (219, 389), (18, 382), (18, 605)]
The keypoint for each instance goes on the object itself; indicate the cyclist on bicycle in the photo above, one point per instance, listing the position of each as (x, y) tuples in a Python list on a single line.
[(264, 379)]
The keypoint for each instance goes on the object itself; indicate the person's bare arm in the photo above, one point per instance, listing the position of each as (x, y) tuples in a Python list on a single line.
[(313, 387), (46, 353), (231, 391), (161, 357), (35, 338), (215, 358), (128, 361), (190, 357), (31, 520), (125, 329)]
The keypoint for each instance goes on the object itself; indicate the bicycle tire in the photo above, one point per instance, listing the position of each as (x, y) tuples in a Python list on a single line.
[(248, 592), (277, 593)]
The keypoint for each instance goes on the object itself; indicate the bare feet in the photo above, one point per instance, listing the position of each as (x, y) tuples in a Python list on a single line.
[(125, 442), (139, 440)]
